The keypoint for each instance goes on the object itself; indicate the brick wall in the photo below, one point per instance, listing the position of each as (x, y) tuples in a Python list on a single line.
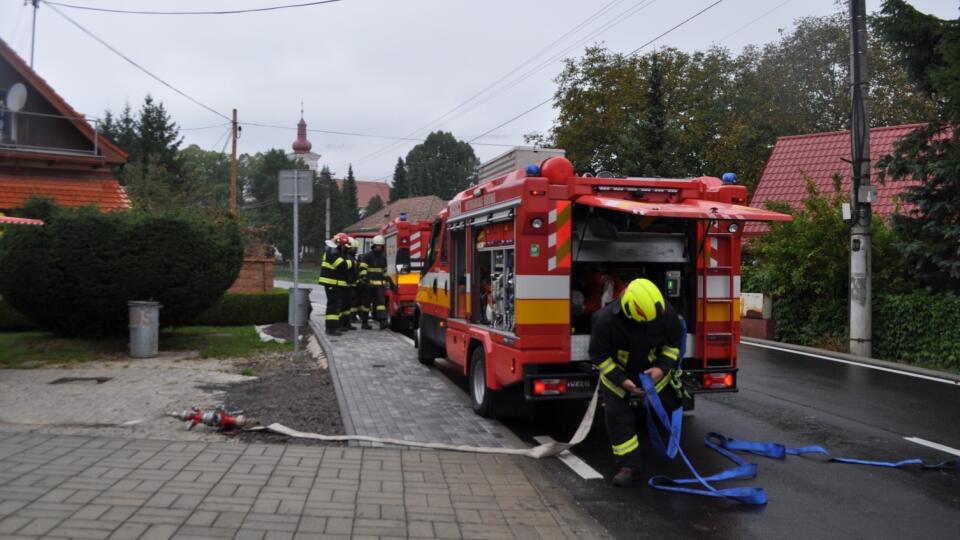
[(256, 275)]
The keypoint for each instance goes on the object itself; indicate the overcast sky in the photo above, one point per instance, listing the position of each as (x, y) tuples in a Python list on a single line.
[(377, 67)]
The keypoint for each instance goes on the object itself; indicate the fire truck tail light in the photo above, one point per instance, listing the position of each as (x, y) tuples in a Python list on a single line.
[(538, 192), (718, 380), (549, 387), (536, 223)]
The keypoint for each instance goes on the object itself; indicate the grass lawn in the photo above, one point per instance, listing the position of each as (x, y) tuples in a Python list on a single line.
[(308, 273), (31, 349)]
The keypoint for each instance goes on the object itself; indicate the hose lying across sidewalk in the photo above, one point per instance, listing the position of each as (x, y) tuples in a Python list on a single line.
[(542, 451)]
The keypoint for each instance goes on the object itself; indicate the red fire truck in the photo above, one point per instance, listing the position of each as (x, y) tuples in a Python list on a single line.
[(406, 243), (517, 265)]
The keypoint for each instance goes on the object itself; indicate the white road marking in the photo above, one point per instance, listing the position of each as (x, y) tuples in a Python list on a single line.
[(852, 363), (936, 446), (131, 422), (576, 464)]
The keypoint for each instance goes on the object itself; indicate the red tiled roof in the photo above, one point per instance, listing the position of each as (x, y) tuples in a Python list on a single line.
[(367, 189), (106, 193), (416, 208), (110, 151), (19, 221), (820, 156)]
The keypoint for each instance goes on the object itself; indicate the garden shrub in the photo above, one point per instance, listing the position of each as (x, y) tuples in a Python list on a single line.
[(237, 309), (919, 328), (12, 320), (76, 274)]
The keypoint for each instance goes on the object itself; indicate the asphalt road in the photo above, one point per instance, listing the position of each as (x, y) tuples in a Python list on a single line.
[(794, 400)]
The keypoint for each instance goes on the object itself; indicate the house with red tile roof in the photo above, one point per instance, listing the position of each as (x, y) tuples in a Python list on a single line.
[(48, 149), (367, 189), (820, 157), (415, 208)]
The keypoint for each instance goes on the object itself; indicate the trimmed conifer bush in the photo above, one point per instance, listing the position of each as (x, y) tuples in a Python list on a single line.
[(75, 275)]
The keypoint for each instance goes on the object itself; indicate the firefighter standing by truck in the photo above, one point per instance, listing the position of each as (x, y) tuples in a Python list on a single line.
[(334, 268), (639, 334), (351, 303), (373, 273)]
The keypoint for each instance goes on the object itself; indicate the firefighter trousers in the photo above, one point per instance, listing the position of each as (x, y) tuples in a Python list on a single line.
[(622, 421), (332, 315), (374, 299)]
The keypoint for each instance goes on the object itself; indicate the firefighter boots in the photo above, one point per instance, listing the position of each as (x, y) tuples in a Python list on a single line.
[(624, 477)]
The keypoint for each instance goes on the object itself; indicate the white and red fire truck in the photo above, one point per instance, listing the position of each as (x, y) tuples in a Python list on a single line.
[(517, 264), (406, 243)]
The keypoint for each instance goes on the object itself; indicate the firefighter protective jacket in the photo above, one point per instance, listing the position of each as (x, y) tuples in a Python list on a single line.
[(334, 268), (373, 268), (623, 348)]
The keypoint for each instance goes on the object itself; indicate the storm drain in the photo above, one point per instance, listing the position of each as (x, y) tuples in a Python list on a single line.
[(68, 380)]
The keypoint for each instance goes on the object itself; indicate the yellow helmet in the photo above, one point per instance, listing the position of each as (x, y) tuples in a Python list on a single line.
[(642, 301)]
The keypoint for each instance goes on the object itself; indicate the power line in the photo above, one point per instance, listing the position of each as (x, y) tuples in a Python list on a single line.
[(354, 134), (603, 10), (768, 12), (134, 64), (203, 127), (225, 12), (633, 52)]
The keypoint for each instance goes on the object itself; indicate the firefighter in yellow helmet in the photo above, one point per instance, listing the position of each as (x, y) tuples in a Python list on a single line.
[(640, 333)]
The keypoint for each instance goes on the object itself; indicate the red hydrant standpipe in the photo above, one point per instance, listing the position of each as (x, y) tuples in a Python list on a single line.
[(219, 418)]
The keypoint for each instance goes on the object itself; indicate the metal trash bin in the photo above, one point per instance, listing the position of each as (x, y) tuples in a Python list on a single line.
[(298, 309), (144, 328)]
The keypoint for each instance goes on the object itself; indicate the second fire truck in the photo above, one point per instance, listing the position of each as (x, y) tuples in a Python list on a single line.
[(406, 243), (517, 264)]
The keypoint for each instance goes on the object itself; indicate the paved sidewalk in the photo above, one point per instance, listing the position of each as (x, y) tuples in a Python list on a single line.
[(95, 487), (385, 392)]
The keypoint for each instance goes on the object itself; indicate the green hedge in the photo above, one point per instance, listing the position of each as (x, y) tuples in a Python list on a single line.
[(75, 275), (238, 309), (12, 320), (919, 328)]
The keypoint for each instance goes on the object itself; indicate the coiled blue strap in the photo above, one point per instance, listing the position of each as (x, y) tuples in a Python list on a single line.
[(726, 447)]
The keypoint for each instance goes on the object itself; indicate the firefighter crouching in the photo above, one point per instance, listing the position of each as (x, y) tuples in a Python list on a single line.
[(373, 273), (639, 333), (351, 304), (333, 276)]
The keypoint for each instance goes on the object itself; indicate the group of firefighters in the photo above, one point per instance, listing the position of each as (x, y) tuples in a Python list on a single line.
[(639, 332), (354, 285)]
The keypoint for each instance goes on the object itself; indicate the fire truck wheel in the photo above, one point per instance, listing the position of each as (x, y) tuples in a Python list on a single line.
[(480, 395), (423, 349)]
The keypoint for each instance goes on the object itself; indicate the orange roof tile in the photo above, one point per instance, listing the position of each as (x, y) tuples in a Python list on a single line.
[(366, 190), (106, 194)]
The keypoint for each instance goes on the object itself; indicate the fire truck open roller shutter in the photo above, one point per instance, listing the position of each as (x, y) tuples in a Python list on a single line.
[(686, 209)]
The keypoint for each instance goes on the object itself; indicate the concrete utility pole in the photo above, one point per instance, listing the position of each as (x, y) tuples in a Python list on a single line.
[(33, 33), (326, 213), (233, 166), (862, 196)]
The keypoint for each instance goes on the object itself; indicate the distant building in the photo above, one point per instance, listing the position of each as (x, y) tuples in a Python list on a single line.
[(820, 157), (415, 208), (302, 147), (49, 150), (368, 189)]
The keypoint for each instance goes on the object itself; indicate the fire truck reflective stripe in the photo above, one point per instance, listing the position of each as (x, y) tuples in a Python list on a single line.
[(552, 216), (623, 449), (415, 249), (671, 352), (564, 222), (415, 236), (719, 312), (551, 263), (719, 287), (713, 249), (543, 312), (552, 240), (408, 279), (620, 392), (544, 287)]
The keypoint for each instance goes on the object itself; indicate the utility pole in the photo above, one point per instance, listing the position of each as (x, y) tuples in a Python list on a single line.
[(326, 209), (862, 191), (233, 166), (33, 33)]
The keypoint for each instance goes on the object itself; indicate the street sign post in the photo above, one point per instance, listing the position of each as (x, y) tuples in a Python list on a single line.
[(296, 186)]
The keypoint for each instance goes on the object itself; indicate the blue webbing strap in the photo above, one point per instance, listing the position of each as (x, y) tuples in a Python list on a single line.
[(727, 447)]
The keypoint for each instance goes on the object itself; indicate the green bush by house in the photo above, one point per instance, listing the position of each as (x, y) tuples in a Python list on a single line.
[(76, 274), (919, 328), (237, 309), (12, 320)]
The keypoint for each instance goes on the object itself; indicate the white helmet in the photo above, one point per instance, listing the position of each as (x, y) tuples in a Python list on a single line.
[(378, 240)]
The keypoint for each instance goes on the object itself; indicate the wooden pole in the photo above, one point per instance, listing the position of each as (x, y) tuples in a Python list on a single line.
[(233, 166)]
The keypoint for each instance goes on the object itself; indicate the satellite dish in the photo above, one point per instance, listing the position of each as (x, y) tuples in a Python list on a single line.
[(16, 97)]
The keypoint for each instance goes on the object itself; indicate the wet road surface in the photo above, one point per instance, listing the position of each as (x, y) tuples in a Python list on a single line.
[(794, 400)]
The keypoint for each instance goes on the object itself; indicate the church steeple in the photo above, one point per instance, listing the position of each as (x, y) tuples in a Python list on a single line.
[(301, 145)]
